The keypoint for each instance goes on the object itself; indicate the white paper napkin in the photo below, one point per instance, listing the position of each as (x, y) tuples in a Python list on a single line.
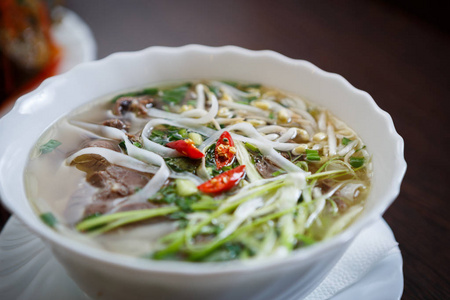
[(369, 247), (372, 246)]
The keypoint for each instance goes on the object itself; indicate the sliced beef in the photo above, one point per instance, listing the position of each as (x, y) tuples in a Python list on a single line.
[(90, 163), (117, 123), (115, 182), (138, 105), (111, 181)]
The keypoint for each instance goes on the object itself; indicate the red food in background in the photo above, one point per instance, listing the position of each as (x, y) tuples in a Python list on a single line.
[(28, 54)]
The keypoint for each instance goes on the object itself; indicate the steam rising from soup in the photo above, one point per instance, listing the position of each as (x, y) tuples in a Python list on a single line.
[(200, 171)]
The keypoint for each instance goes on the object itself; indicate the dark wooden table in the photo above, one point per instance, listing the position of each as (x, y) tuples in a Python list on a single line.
[(401, 58)]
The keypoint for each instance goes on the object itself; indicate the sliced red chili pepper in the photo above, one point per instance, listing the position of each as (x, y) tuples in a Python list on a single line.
[(187, 148), (225, 150), (223, 182)]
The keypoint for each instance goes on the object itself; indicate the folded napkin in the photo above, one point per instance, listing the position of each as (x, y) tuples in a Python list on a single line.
[(29, 271), (370, 247)]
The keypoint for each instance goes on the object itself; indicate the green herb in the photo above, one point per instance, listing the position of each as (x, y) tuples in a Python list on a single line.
[(312, 155), (123, 146), (345, 141), (178, 215), (356, 162), (169, 134), (192, 102), (175, 95), (252, 86), (150, 91), (49, 219), (232, 83), (214, 90), (49, 146), (182, 164), (271, 115), (137, 144), (228, 251), (169, 195)]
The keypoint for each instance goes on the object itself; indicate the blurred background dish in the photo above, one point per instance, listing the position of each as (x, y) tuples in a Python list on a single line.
[(37, 42)]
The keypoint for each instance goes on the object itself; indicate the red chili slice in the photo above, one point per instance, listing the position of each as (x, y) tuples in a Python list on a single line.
[(225, 150), (187, 148), (223, 182)]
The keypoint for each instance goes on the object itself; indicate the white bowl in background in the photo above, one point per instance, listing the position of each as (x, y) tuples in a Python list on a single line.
[(105, 275)]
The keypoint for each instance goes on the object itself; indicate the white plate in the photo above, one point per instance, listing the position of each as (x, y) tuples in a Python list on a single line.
[(28, 270), (77, 43)]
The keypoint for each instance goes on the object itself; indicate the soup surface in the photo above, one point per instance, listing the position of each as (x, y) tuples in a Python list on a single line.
[(199, 171)]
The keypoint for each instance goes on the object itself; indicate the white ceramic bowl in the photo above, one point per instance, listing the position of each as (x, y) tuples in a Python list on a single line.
[(105, 275)]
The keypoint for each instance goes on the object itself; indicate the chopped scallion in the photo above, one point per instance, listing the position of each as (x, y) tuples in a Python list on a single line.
[(251, 147), (312, 155)]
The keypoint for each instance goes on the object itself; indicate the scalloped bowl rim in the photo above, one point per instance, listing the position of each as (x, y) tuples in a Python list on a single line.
[(48, 234)]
